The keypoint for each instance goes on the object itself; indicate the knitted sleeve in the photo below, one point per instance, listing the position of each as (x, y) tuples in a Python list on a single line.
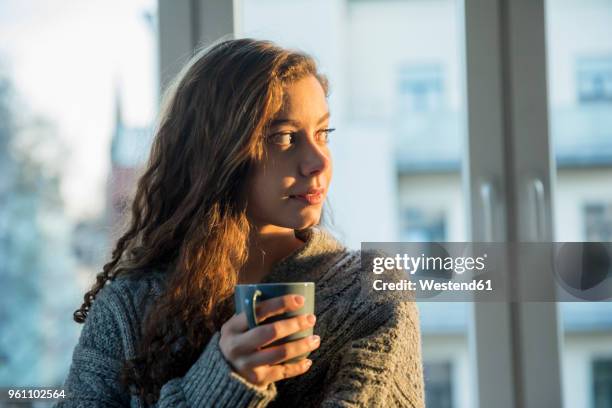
[(94, 375), (381, 366), (212, 382)]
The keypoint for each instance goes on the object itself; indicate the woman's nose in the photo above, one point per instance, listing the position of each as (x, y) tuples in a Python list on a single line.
[(315, 159)]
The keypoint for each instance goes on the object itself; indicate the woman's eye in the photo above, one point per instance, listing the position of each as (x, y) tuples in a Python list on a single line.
[(286, 139), (283, 139), (324, 134)]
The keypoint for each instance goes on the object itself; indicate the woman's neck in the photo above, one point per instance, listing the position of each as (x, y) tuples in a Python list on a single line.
[(267, 246)]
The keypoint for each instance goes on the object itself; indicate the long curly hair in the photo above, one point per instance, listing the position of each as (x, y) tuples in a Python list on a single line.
[(188, 214)]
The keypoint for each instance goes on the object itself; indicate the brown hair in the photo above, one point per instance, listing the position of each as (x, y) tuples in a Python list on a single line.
[(188, 212)]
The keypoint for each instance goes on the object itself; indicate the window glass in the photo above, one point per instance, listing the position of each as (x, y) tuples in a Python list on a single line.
[(602, 382), (579, 51), (77, 97), (439, 390)]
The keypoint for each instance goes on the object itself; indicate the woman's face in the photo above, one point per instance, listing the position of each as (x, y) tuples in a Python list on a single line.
[(289, 186)]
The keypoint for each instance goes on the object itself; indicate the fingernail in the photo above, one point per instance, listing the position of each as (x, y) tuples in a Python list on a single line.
[(308, 363), (299, 299), (315, 339), (311, 319)]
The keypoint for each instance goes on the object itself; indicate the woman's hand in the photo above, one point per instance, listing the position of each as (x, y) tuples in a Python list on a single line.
[(241, 347)]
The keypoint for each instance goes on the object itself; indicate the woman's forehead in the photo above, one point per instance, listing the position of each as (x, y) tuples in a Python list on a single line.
[(297, 121), (303, 100)]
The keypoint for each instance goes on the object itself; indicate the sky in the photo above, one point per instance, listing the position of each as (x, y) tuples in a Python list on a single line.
[(66, 58)]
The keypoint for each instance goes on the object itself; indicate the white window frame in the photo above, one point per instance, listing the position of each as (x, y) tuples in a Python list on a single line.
[(510, 175)]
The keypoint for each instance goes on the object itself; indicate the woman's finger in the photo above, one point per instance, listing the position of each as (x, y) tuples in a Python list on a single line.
[(254, 339), (283, 371), (282, 352), (278, 305), (265, 309), (265, 334)]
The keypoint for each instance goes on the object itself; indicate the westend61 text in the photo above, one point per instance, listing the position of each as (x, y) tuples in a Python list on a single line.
[(430, 284)]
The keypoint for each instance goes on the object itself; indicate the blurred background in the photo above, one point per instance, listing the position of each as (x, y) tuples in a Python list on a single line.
[(79, 89)]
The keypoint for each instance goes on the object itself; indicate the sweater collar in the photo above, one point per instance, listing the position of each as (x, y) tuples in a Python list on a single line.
[(304, 264)]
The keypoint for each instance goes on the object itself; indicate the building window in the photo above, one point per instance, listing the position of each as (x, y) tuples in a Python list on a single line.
[(423, 225), (598, 222), (602, 383), (594, 80), (420, 88), (439, 387)]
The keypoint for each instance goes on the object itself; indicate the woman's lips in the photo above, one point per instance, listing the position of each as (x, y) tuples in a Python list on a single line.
[(310, 199)]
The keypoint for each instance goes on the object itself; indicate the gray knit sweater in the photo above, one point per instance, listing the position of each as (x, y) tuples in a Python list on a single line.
[(370, 353)]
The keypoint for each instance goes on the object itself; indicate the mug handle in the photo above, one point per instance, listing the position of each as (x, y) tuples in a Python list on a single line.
[(249, 309)]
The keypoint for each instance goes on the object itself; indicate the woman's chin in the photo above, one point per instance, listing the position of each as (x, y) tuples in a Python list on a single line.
[(304, 222)]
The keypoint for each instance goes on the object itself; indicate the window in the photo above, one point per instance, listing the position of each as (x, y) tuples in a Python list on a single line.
[(579, 50), (421, 225), (598, 222), (420, 88), (602, 383), (59, 67), (438, 391), (594, 79)]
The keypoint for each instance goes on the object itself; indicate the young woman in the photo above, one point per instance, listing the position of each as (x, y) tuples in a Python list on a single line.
[(232, 193)]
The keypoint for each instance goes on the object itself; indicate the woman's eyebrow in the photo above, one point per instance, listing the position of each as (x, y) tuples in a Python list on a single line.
[(296, 123)]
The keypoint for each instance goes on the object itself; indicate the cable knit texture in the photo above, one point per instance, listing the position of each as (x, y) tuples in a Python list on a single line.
[(370, 353)]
